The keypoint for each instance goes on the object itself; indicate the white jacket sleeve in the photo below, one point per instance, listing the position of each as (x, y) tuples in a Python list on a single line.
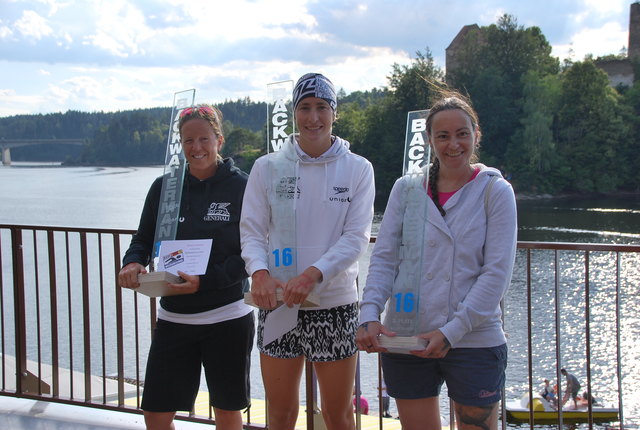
[(254, 220)]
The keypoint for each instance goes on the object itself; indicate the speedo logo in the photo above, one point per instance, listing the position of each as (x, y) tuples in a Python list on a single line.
[(336, 192)]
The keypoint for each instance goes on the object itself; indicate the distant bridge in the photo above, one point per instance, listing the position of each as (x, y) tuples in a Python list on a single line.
[(7, 144)]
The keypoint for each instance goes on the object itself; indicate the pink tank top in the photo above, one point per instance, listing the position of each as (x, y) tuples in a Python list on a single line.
[(443, 197)]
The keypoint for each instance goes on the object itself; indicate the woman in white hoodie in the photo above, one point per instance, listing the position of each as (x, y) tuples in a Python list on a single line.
[(453, 292), (306, 221)]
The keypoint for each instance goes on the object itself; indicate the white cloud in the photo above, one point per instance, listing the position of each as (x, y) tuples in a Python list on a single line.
[(120, 28), (5, 32), (53, 5), (377, 65), (600, 7), (108, 43), (7, 92), (492, 16), (242, 19), (33, 25), (608, 39), (65, 40), (94, 93), (125, 54), (23, 104)]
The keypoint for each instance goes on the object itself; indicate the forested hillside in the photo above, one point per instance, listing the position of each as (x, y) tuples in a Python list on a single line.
[(135, 137), (553, 126)]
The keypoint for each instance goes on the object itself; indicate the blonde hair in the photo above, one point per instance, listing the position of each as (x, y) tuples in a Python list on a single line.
[(209, 113)]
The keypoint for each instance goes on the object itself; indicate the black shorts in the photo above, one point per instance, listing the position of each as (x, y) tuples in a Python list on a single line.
[(177, 353), (474, 376)]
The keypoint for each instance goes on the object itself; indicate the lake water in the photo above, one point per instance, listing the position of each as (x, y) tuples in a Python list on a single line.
[(113, 197)]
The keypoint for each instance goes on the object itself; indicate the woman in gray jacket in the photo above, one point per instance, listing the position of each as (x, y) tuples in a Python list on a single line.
[(467, 244)]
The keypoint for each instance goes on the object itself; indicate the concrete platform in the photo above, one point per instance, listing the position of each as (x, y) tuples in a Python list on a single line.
[(26, 414), (67, 380)]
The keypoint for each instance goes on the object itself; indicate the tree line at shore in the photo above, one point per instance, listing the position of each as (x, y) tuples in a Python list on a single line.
[(550, 126)]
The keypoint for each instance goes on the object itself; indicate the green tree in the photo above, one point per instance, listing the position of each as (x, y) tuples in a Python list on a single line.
[(411, 87), (592, 132), (492, 62), (532, 151), (631, 154), (239, 140), (350, 124), (496, 112), (132, 137)]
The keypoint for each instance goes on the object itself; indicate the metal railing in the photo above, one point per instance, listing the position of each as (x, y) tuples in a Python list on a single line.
[(597, 275), (70, 335)]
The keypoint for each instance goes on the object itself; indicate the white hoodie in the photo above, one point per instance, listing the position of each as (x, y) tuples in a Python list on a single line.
[(333, 213)]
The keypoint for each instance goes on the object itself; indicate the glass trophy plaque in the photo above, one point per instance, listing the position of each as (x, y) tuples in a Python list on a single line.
[(284, 190), (283, 260), (403, 307), (175, 166), (282, 194)]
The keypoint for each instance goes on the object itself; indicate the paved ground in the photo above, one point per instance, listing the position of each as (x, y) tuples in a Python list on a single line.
[(25, 414)]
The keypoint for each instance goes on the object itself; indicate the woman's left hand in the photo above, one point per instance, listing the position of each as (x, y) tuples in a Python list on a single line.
[(190, 285), (437, 345), (299, 287)]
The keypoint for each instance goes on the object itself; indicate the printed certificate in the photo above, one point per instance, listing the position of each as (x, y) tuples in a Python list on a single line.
[(188, 256)]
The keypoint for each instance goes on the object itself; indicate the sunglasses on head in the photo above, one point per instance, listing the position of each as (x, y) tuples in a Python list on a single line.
[(203, 110)]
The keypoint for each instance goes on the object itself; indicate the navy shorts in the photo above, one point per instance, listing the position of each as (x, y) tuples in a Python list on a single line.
[(320, 335), (474, 376), (178, 351)]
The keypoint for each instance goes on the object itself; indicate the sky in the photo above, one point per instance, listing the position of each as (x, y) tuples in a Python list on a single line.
[(111, 55)]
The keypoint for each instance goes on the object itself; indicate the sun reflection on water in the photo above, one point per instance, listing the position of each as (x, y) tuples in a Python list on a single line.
[(570, 302)]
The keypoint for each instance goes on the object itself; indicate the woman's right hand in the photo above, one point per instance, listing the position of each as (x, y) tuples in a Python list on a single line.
[(263, 289), (128, 276), (367, 336)]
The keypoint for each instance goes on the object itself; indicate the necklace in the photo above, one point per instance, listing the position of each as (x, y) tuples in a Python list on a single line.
[(447, 186)]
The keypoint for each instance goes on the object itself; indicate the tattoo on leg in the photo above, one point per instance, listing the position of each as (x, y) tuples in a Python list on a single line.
[(477, 416)]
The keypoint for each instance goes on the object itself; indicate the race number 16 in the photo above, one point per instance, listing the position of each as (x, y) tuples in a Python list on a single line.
[(283, 257), (406, 303)]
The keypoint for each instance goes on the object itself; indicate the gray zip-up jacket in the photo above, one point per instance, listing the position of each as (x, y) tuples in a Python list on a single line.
[(468, 258)]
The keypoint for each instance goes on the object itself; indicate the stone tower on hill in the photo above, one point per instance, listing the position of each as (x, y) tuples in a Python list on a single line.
[(451, 60), (633, 52), (620, 70)]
